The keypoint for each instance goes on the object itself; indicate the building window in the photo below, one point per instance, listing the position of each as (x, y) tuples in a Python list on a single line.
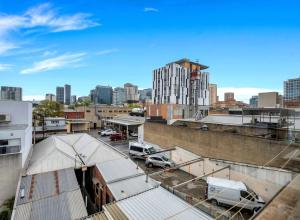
[(88, 111)]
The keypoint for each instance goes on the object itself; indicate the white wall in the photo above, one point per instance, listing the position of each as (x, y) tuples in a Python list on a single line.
[(20, 112)]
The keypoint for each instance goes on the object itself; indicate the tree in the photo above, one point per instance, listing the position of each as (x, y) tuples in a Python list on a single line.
[(49, 109)]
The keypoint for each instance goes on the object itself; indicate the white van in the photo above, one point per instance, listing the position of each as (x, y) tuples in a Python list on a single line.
[(139, 150), (230, 192)]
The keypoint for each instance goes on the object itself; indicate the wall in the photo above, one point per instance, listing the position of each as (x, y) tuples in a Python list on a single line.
[(10, 167), (220, 145), (264, 181)]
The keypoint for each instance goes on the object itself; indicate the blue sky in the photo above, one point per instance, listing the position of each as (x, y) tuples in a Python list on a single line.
[(250, 46)]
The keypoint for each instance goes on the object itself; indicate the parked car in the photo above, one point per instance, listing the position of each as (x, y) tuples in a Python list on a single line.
[(107, 132), (159, 161), (134, 134), (117, 137), (230, 192), (140, 150)]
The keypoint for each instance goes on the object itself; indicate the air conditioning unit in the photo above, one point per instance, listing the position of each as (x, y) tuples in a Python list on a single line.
[(4, 118)]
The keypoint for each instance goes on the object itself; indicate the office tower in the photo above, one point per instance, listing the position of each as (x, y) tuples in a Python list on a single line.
[(50, 97), (228, 96), (60, 94), (213, 94), (118, 96), (131, 93), (11, 93), (67, 97), (102, 95)]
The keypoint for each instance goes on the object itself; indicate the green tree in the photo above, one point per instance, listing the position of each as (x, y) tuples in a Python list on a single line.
[(49, 109)]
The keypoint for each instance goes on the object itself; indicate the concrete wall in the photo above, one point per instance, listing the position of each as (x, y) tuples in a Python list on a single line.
[(264, 181), (10, 167), (220, 145)]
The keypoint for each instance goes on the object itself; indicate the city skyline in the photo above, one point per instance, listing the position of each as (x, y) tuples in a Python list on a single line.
[(63, 42)]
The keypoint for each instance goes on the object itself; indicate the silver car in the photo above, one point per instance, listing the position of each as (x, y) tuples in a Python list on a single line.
[(159, 161)]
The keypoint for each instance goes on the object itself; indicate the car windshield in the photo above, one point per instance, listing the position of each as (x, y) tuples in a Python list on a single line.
[(252, 192), (165, 158), (151, 150)]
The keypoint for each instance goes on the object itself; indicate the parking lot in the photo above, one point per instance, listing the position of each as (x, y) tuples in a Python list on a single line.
[(193, 191)]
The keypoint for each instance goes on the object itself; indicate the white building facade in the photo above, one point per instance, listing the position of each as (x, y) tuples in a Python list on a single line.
[(183, 83), (15, 143)]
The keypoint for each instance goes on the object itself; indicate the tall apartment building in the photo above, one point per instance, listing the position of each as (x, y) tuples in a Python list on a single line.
[(213, 94), (11, 93), (102, 95), (145, 94), (291, 92), (269, 100), (253, 102), (60, 94), (119, 96), (67, 97), (228, 96), (73, 99), (183, 83), (131, 93), (15, 144), (50, 97)]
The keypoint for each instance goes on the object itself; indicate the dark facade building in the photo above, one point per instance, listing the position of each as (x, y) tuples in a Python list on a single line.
[(60, 94), (11, 93), (67, 97), (102, 95), (253, 102), (292, 93)]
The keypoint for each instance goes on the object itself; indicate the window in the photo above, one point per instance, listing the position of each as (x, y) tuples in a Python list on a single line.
[(136, 148), (247, 196), (156, 158), (3, 142)]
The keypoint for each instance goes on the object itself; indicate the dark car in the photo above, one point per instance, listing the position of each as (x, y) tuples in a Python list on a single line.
[(117, 137)]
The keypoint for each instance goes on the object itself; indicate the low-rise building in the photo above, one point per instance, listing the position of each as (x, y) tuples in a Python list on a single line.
[(15, 143), (54, 124), (77, 125), (98, 114)]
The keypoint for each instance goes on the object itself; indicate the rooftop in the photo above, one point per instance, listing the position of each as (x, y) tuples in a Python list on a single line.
[(127, 120), (185, 60), (63, 151), (51, 195)]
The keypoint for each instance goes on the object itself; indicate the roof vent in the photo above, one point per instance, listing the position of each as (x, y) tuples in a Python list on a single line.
[(4, 118)]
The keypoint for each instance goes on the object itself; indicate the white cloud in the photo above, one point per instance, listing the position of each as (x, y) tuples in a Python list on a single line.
[(33, 98), (40, 18), (6, 46), (4, 66), (244, 94), (108, 51), (150, 10), (66, 60)]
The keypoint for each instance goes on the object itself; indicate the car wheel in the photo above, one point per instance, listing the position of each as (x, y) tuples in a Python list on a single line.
[(214, 202), (167, 166), (150, 165)]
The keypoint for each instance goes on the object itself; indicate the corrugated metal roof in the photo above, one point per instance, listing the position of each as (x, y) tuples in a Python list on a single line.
[(132, 186), (58, 152), (114, 212), (158, 204), (127, 120), (118, 169), (50, 196)]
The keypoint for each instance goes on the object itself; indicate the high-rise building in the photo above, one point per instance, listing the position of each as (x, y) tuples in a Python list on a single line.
[(182, 82), (228, 96), (291, 92), (102, 95), (118, 96), (253, 102), (83, 98), (269, 100), (73, 99), (60, 94), (213, 94), (145, 94), (50, 97), (67, 97), (11, 93), (131, 93)]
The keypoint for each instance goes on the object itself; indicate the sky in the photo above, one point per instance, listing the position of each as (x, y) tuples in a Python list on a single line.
[(249, 46)]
